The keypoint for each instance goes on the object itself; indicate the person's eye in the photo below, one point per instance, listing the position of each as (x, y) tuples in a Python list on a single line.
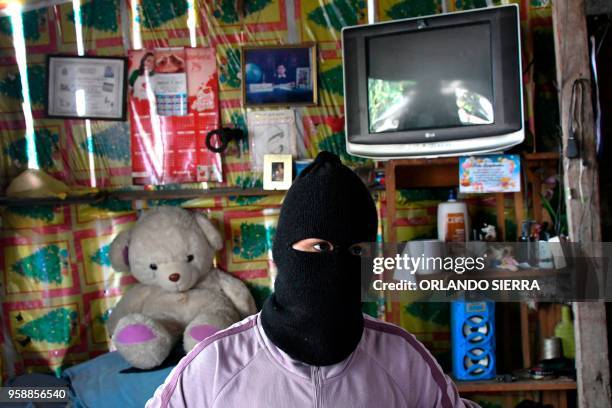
[(356, 250), (153, 266), (323, 246), (189, 258), (313, 245)]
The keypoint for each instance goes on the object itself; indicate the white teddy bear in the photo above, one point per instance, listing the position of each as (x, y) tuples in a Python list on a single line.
[(170, 251)]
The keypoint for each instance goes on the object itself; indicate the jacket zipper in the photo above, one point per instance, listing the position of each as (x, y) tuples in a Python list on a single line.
[(316, 379)]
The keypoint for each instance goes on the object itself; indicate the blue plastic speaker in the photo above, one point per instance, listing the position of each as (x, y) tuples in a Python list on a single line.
[(473, 340)]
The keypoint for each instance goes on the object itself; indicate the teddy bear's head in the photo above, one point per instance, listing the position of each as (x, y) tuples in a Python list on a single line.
[(168, 247)]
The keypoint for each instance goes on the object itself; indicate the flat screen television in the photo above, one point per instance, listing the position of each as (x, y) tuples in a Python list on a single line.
[(442, 85)]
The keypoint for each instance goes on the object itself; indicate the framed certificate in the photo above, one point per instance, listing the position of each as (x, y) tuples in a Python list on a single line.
[(86, 87)]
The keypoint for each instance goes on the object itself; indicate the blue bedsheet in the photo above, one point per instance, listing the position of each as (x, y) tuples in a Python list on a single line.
[(107, 381)]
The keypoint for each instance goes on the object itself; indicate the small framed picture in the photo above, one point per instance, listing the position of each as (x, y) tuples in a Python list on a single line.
[(302, 78), (278, 171), (284, 75), (91, 87)]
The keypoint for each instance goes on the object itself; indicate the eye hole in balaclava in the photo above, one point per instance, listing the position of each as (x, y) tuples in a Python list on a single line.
[(322, 246), (315, 245), (314, 314)]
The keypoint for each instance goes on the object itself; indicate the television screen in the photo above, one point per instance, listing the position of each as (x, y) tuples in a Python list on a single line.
[(443, 85), (412, 83)]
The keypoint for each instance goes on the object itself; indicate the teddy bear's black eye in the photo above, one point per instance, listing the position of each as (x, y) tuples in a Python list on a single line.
[(189, 258), (153, 266)]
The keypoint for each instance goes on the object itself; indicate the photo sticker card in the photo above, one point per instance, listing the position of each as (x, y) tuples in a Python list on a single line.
[(500, 173)]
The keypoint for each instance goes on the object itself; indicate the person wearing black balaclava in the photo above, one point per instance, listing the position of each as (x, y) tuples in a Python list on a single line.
[(314, 314), (311, 346)]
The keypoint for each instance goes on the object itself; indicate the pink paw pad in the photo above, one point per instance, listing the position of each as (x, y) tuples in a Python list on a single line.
[(135, 333), (202, 331)]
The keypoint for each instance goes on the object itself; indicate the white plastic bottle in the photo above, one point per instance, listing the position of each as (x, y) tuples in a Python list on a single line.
[(453, 220)]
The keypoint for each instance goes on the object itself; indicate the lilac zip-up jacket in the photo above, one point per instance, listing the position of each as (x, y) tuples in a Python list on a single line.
[(241, 368)]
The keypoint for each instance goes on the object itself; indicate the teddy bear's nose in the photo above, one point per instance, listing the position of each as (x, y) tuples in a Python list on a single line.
[(174, 277)]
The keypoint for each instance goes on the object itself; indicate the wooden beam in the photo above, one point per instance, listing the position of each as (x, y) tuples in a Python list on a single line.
[(500, 209), (390, 187), (582, 193), (525, 336), (536, 193), (519, 210)]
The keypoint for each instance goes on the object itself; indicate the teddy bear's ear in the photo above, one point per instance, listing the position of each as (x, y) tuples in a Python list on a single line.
[(211, 233), (119, 252)]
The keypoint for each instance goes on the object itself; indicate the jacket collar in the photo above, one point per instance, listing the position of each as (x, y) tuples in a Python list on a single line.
[(296, 367)]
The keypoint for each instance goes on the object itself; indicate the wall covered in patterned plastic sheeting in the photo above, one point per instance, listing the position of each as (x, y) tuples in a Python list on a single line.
[(58, 286), (100, 156), (56, 283)]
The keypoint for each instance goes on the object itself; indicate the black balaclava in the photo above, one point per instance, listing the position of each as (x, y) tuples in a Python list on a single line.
[(314, 314)]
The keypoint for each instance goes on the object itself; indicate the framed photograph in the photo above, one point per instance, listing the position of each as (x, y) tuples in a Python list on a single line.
[(271, 132), (278, 171), (284, 75), (86, 87)]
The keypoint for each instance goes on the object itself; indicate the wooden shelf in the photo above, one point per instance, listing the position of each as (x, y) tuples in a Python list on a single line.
[(521, 273), (192, 193), (129, 195), (70, 199), (425, 162), (541, 156), (490, 386), (530, 157), (444, 173), (498, 274)]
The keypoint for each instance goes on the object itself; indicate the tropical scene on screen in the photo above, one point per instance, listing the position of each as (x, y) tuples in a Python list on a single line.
[(399, 105)]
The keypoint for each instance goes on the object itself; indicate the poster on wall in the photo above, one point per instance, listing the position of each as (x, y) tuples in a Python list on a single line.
[(173, 95)]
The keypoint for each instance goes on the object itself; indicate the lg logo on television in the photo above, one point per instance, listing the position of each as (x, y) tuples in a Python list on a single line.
[(429, 135)]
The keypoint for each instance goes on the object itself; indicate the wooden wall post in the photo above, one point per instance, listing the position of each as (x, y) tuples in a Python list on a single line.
[(391, 190), (582, 194)]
